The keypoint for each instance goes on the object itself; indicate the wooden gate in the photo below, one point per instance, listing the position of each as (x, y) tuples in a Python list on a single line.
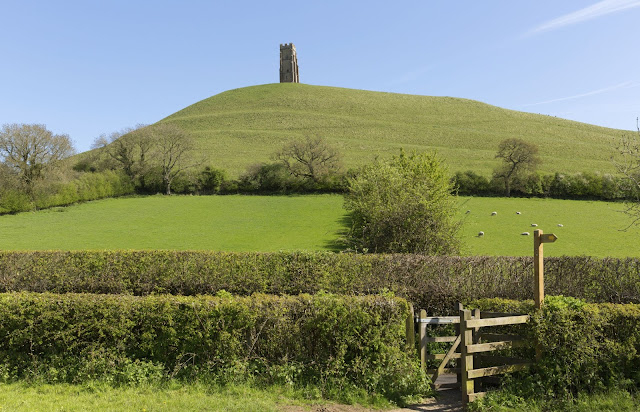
[(469, 344)]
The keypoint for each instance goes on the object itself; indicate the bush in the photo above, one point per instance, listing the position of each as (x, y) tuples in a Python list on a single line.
[(323, 340), (429, 282), (585, 347), (89, 186), (14, 201), (403, 205), (210, 180), (471, 183)]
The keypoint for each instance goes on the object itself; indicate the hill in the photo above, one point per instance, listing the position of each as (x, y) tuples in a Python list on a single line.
[(240, 127)]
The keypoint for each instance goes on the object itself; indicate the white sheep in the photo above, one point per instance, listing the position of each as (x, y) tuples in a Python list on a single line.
[(494, 213), (480, 234), (517, 213), (560, 225), (534, 225), (525, 233), (468, 211)]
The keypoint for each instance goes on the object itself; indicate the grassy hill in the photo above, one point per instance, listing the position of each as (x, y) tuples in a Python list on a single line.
[(244, 126)]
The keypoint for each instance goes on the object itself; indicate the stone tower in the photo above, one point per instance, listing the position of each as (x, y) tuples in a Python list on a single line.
[(288, 64)]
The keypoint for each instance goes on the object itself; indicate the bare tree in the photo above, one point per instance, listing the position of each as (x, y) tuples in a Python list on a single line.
[(172, 151), (628, 164), (30, 149), (312, 158), (517, 157)]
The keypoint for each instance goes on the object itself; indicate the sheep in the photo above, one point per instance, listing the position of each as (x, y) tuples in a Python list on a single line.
[(517, 213), (525, 233), (468, 211), (534, 225), (494, 213), (560, 225), (480, 234)]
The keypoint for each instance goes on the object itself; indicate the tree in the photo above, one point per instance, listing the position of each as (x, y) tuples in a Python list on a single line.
[(518, 157), (311, 158), (403, 205), (172, 147), (29, 150), (128, 149), (628, 164)]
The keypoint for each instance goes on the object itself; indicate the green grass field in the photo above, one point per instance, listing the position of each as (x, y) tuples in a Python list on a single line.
[(244, 126), (63, 397), (589, 227), (272, 223), (231, 223)]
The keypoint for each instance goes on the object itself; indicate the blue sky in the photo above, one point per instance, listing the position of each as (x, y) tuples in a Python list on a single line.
[(90, 67)]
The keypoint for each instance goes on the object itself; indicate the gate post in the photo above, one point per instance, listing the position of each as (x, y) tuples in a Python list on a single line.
[(457, 362), (466, 359), (423, 339), (411, 330)]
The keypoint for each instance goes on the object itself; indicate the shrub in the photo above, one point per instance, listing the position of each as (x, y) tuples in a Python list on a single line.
[(210, 180), (14, 201), (434, 283), (322, 340), (471, 183), (403, 205), (585, 347)]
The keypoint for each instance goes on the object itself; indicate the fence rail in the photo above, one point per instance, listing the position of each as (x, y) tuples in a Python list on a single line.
[(469, 343)]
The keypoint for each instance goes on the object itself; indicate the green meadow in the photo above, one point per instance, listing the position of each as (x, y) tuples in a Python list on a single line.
[(229, 223), (311, 222), (244, 126)]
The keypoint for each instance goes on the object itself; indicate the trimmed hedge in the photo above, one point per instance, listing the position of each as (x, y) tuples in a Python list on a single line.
[(586, 347), (432, 283), (323, 340)]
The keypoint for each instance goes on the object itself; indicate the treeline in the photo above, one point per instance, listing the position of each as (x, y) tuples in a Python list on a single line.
[(582, 185), (163, 158)]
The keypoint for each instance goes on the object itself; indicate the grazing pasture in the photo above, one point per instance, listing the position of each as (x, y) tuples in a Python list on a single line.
[(591, 228), (228, 223), (311, 222)]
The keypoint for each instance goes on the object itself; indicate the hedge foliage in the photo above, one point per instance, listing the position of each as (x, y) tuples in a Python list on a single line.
[(585, 185), (431, 283), (586, 347), (323, 340)]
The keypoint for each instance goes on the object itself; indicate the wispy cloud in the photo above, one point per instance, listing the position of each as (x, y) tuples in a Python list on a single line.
[(625, 85), (594, 11)]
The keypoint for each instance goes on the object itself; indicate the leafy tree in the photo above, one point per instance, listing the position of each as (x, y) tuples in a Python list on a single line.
[(627, 162), (403, 205), (128, 149), (311, 158), (29, 150), (518, 157)]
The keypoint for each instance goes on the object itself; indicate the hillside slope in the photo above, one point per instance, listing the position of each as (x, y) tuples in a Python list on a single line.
[(244, 126)]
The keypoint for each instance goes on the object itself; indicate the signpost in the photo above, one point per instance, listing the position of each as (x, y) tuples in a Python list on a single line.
[(538, 264)]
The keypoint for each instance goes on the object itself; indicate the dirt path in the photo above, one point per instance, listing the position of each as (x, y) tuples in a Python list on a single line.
[(447, 401)]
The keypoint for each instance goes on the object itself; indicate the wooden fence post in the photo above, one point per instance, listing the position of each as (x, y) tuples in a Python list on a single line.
[(457, 362), (411, 332), (466, 359), (423, 339), (538, 268)]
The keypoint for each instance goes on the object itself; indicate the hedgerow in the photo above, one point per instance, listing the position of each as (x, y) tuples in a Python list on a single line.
[(431, 283), (586, 347), (324, 340)]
